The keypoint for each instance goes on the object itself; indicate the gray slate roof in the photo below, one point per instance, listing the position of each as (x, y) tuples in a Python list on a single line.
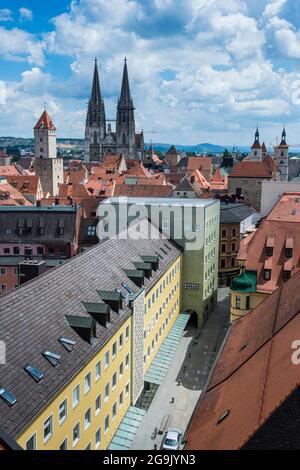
[(32, 318), (235, 213), (48, 217)]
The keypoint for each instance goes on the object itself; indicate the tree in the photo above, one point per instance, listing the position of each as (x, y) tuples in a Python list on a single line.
[(227, 160)]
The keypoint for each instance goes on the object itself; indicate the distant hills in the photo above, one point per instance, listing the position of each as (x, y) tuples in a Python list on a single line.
[(200, 148), (161, 147)]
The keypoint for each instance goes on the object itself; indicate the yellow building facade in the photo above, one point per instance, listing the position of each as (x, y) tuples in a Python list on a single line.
[(87, 411)]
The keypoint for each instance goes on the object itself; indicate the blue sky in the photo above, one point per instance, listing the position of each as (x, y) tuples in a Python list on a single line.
[(200, 70)]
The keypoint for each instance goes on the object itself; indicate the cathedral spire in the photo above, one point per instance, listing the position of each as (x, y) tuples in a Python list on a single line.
[(96, 92), (125, 98)]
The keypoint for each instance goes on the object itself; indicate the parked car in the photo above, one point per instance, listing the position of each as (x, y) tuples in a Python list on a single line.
[(172, 439)]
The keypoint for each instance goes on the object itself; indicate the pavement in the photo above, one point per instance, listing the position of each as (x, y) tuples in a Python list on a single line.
[(181, 388)]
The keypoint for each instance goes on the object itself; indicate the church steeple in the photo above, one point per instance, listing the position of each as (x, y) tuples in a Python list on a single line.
[(95, 121), (125, 125), (96, 92), (283, 138), (125, 97)]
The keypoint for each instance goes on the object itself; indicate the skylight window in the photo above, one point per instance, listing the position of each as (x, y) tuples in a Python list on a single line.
[(52, 357), (121, 293), (223, 416), (8, 397), (35, 373), (67, 343), (127, 288)]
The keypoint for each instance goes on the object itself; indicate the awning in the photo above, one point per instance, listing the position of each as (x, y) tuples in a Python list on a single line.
[(160, 364), (127, 429)]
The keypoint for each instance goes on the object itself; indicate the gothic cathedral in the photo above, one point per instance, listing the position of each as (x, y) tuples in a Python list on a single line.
[(99, 138)]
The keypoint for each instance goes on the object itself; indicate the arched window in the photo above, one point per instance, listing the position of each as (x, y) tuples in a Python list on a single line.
[(123, 138)]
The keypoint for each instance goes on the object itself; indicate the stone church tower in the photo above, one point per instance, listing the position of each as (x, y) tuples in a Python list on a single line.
[(95, 129), (101, 140), (47, 166), (256, 149), (125, 125)]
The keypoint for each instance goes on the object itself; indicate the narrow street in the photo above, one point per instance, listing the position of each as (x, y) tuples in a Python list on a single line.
[(177, 396)]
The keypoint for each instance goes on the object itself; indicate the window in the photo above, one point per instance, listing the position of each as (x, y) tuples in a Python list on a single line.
[(114, 381), (76, 434), (98, 371), (106, 424), (31, 443), (267, 274), (106, 392), (114, 410), (87, 383), (114, 350), (2, 271), (127, 332), (232, 262), (76, 396), (286, 275), (248, 302), (223, 249), (223, 263), (6, 251), (121, 399), (127, 360), (39, 250), (288, 252), (223, 233), (106, 360), (269, 251), (121, 341), (91, 231), (98, 438), (238, 303), (16, 250), (62, 411), (121, 370), (87, 418), (64, 445), (233, 247), (98, 404), (234, 232), (48, 429)]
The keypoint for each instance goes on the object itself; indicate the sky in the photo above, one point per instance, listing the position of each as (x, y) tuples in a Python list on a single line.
[(200, 70)]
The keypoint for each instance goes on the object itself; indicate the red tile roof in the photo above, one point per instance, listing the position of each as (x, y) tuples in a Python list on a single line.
[(8, 170), (277, 230), (45, 121), (25, 184), (251, 169), (143, 190), (204, 164), (253, 376)]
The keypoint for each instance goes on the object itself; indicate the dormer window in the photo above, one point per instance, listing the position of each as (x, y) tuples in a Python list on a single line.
[(289, 252), (269, 251)]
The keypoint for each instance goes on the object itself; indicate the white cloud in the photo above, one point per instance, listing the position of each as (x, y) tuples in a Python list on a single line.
[(273, 8), (222, 82), (25, 14), (6, 15), (18, 45)]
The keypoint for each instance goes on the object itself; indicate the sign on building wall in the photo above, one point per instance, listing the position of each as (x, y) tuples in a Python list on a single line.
[(191, 286)]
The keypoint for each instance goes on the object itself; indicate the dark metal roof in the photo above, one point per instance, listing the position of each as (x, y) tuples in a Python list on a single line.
[(33, 318), (235, 213), (26, 222)]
